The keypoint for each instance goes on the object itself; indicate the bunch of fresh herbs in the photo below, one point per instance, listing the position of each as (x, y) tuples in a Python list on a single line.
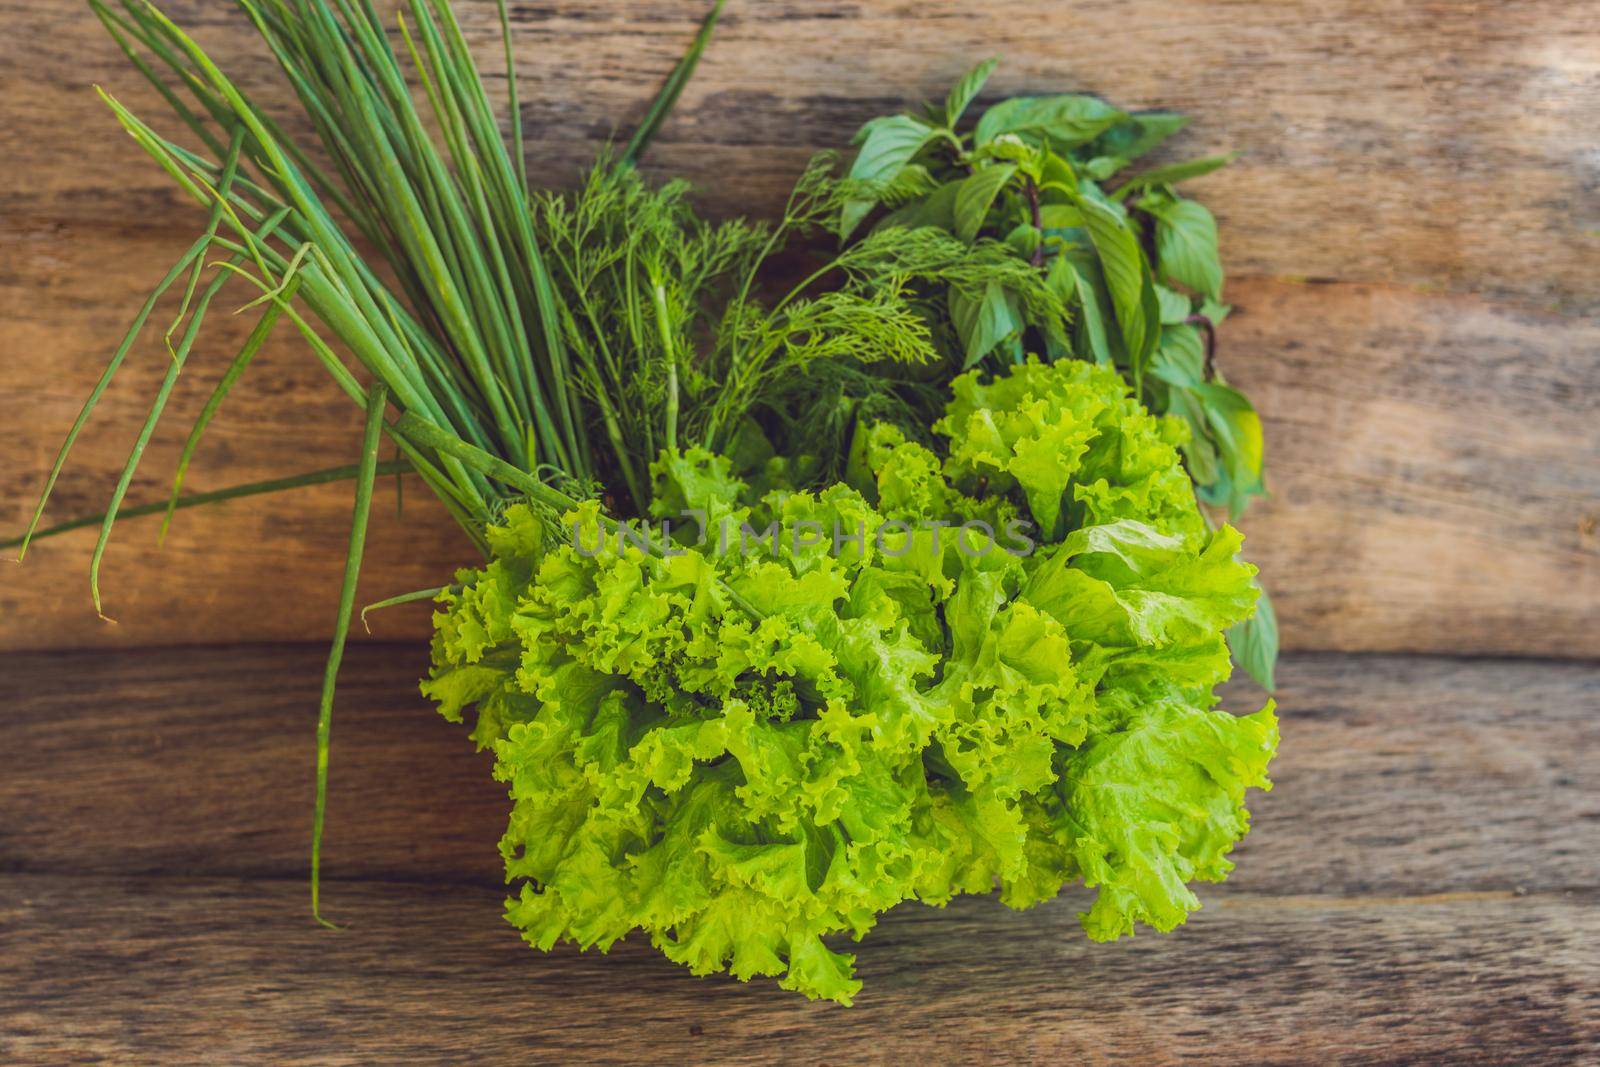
[(770, 739)]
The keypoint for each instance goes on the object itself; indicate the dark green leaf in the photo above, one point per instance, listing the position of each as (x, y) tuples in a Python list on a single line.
[(1200, 452), (1127, 278), (1137, 135), (1024, 239), (1237, 430), (975, 197), (912, 183), (982, 322), (665, 99), (938, 208), (1186, 246), (1180, 359), (1081, 275)]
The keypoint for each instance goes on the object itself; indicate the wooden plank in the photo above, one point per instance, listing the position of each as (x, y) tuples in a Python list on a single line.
[(1397, 775), (1434, 460), (1383, 140), (164, 970), (1435, 468)]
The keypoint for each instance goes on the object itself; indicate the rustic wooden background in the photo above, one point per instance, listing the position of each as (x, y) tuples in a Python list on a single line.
[(1418, 888), (1412, 238)]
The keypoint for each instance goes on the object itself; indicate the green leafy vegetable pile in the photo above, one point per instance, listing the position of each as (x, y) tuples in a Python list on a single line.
[(948, 615), (909, 711)]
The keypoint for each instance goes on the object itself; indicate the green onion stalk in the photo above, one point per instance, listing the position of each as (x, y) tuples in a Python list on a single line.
[(410, 242)]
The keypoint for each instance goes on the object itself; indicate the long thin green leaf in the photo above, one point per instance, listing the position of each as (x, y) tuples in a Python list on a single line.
[(120, 31), (247, 352), (195, 250), (374, 333), (461, 496), (477, 149), (230, 167), (377, 400), (467, 114), (403, 598), (216, 496), (671, 89), (179, 357), (518, 153), (146, 24), (570, 450), (426, 434)]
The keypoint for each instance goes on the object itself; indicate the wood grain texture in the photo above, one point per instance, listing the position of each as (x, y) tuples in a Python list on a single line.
[(1397, 775), (1438, 144), (129, 970), (1434, 462), (1434, 465), (1420, 885)]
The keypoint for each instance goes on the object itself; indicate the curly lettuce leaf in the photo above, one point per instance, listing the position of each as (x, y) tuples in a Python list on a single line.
[(754, 747)]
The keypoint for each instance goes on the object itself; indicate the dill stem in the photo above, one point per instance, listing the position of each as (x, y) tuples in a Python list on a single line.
[(658, 296)]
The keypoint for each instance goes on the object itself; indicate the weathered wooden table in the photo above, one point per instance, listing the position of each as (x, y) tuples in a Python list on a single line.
[(1420, 886)]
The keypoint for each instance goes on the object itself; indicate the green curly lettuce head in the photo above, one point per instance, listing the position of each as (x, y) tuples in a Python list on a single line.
[(746, 747)]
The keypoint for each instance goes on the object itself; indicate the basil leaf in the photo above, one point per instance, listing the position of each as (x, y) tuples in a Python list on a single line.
[(1065, 121), (975, 197), (1137, 135), (1060, 217), (912, 183), (1215, 310), (1024, 239), (1180, 360), (935, 209), (1175, 307), (1254, 642), (1082, 276), (1186, 245), (1237, 429), (1177, 172), (1057, 179), (982, 322), (1128, 280), (888, 144), (965, 90), (1200, 453)]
